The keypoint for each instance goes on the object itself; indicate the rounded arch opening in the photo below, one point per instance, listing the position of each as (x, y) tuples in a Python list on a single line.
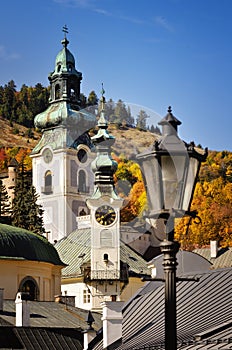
[(30, 286), (48, 178)]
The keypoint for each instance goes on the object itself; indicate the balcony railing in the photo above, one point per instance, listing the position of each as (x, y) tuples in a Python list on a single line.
[(105, 275)]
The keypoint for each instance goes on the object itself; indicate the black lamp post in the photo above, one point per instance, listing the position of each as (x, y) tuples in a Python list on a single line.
[(170, 171)]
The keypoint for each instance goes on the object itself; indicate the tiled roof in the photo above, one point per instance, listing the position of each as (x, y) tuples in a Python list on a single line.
[(204, 314), (74, 250), (223, 259)]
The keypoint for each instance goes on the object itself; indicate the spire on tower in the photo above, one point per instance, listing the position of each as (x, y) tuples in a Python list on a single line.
[(65, 41)]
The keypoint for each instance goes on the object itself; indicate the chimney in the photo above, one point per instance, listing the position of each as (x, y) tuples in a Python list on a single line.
[(22, 309), (213, 249), (89, 333), (112, 323), (1, 298)]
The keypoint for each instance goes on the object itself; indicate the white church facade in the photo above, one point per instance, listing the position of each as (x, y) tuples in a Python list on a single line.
[(61, 160)]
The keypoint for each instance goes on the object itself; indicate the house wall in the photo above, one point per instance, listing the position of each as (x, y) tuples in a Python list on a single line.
[(131, 288), (79, 290), (47, 276), (75, 287)]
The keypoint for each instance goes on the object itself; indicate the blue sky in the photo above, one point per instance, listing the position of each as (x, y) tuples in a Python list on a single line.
[(151, 53)]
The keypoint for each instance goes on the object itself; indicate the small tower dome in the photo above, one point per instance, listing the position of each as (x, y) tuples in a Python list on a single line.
[(65, 61)]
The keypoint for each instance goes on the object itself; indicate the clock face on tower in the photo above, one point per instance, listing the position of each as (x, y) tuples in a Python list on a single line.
[(47, 155), (105, 215)]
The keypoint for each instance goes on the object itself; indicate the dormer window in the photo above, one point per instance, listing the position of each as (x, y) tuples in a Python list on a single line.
[(59, 68)]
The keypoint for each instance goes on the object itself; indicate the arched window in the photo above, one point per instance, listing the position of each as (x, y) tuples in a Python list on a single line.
[(47, 182), (29, 285), (57, 92), (82, 181)]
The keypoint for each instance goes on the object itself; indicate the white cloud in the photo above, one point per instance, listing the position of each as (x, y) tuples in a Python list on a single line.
[(162, 22), (76, 3), (132, 19), (4, 55), (102, 12)]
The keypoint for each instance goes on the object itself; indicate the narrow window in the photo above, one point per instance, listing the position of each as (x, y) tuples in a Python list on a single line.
[(47, 182), (82, 182), (86, 296)]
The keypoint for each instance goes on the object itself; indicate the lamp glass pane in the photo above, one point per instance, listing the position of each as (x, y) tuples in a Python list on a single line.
[(190, 182), (151, 175), (173, 175)]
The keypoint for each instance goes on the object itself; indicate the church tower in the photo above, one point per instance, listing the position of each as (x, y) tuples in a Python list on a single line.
[(106, 273), (62, 159)]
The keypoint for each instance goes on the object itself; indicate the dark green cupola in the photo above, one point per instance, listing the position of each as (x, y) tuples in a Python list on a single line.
[(65, 80), (65, 112)]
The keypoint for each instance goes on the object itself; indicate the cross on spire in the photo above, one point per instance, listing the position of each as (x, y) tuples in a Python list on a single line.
[(65, 30), (65, 41)]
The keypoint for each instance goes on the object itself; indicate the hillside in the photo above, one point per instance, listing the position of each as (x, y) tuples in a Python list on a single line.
[(16, 136), (128, 140)]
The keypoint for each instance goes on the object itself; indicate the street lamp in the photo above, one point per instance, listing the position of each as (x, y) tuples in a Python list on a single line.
[(170, 170)]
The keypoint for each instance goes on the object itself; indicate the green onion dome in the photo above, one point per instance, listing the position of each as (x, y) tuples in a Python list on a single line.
[(19, 244)]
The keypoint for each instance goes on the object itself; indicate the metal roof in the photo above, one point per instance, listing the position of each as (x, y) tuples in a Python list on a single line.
[(188, 262), (27, 338), (204, 314), (52, 326), (50, 314), (223, 259), (74, 250)]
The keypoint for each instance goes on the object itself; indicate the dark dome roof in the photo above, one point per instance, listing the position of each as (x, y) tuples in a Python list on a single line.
[(17, 243)]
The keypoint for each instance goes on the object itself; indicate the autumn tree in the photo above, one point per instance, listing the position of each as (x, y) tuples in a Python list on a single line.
[(5, 205), (129, 186), (3, 158), (213, 202)]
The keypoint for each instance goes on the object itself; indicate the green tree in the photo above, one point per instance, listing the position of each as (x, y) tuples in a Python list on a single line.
[(141, 122), (8, 100), (92, 99), (26, 213), (120, 112), (92, 102), (109, 109), (4, 203)]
